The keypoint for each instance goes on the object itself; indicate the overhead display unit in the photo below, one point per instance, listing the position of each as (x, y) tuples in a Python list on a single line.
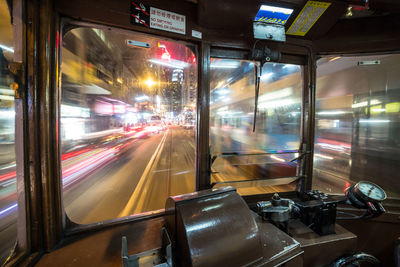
[(273, 14), (269, 23)]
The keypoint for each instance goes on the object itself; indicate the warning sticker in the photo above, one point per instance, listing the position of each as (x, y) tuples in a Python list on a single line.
[(140, 14), (167, 21), (307, 17), (151, 17)]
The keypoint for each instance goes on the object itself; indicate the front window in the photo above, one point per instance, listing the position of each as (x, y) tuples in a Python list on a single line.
[(126, 141), (239, 153)]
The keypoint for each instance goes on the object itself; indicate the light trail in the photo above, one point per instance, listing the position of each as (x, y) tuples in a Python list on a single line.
[(74, 153), (13, 206), (72, 173), (8, 176)]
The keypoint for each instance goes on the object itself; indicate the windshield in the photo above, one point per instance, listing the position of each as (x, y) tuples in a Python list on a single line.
[(239, 154), (124, 99)]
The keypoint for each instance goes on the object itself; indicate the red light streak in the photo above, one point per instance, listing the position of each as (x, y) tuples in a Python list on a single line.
[(74, 154), (72, 173), (347, 185), (87, 162), (8, 176)]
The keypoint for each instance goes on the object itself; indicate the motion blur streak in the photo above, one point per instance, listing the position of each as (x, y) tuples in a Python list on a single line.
[(86, 166), (8, 209), (8, 176)]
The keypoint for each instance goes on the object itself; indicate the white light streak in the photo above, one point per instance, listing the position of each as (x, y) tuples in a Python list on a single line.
[(277, 103), (266, 76), (74, 111), (6, 91), (287, 66), (9, 49), (177, 64), (8, 114), (365, 103), (332, 112), (6, 97), (374, 121), (225, 64), (332, 147), (223, 91), (278, 158), (378, 110), (323, 156), (9, 208), (275, 95)]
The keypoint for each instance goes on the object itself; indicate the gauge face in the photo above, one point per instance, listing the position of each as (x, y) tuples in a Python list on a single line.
[(369, 190)]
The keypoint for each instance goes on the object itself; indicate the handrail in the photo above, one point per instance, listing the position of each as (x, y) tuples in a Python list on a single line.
[(261, 182), (225, 155)]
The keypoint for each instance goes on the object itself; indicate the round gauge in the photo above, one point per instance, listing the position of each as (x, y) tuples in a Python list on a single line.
[(369, 191)]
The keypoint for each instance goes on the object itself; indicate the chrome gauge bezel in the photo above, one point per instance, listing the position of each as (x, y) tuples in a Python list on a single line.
[(365, 197)]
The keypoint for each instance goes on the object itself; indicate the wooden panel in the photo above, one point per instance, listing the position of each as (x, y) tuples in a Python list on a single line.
[(117, 13), (364, 34), (377, 236), (103, 248), (327, 20), (322, 250)]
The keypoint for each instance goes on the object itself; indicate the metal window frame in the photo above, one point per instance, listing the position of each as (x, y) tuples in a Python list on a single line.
[(307, 121), (69, 227)]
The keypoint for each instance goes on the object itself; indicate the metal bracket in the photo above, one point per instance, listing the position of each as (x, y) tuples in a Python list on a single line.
[(163, 255)]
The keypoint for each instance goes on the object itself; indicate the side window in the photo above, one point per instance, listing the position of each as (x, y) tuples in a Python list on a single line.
[(8, 180), (127, 123), (239, 153), (357, 122)]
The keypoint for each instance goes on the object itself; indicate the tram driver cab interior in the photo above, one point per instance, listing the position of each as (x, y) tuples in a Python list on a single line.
[(215, 227), (200, 133)]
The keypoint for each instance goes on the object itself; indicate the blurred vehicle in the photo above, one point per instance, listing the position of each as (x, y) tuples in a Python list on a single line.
[(188, 121), (156, 125)]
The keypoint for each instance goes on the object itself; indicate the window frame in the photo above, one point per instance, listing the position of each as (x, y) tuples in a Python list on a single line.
[(306, 123), (70, 227)]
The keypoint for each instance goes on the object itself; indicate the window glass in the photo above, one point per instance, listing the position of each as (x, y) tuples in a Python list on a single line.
[(8, 182), (357, 123), (232, 104), (127, 122)]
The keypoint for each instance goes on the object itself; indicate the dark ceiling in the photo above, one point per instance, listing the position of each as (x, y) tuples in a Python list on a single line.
[(236, 16)]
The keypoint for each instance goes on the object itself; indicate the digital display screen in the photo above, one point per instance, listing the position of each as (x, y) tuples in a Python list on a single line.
[(272, 14)]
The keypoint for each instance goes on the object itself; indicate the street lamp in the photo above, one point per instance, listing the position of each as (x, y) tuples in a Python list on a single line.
[(149, 82)]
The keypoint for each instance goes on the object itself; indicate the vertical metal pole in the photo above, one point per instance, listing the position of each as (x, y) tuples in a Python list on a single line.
[(48, 66), (305, 166), (32, 36), (42, 74), (203, 119), (310, 123)]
